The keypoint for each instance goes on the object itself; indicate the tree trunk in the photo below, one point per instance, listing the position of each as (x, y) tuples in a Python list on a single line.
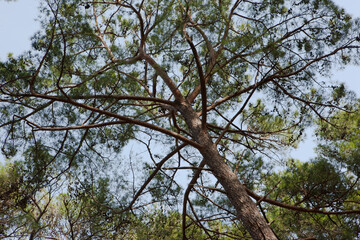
[(246, 209)]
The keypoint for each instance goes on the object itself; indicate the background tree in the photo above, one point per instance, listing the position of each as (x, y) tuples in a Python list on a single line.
[(216, 88)]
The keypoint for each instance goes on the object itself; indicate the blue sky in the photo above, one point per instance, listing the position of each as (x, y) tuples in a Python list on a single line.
[(17, 25)]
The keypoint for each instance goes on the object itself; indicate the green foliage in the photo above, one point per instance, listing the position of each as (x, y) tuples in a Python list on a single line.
[(157, 224), (328, 183), (89, 115)]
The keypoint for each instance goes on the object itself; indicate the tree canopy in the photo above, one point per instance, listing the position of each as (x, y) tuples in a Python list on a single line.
[(148, 119)]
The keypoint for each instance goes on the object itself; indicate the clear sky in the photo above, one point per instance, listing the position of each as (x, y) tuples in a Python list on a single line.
[(17, 25)]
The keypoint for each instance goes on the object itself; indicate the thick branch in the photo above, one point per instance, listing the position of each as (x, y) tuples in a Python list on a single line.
[(123, 118), (201, 77), (168, 81)]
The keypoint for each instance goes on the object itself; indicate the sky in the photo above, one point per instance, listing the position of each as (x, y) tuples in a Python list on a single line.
[(18, 24)]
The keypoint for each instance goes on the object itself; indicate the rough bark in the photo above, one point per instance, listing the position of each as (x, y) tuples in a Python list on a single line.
[(246, 209)]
